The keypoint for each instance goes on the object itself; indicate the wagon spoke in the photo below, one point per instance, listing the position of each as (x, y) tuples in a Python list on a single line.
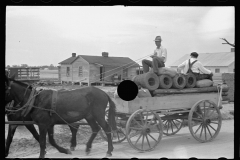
[(198, 128), (118, 136), (134, 134), (178, 121), (137, 122), (201, 132), (198, 114), (175, 124), (209, 131), (152, 137), (172, 126), (138, 139), (204, 109), (196, 119), (143, 141), (212, 127), (141, 117), (148, 141), (122, 132), (139, 129), (205, 132), (165, 124), (211, 113), (146, 118), (167, 127), (214, 122)]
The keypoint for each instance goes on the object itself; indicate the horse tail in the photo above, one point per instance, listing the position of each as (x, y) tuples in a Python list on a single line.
[(112, 114)]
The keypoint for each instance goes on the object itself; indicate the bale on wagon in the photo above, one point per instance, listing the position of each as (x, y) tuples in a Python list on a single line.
[(147, 80)]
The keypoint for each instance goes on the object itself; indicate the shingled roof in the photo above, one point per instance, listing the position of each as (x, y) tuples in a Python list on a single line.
[(105, 61), (210, 59)]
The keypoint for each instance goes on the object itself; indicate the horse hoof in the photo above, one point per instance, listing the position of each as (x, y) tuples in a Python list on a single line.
[(69, 152), (88, 150), (87, 153), (72, 148), (108, 155)]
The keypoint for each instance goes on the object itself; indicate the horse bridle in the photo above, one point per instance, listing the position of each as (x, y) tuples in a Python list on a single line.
[(8, 94), (9, 88)]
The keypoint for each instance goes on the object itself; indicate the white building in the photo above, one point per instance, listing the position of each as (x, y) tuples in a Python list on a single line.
[(223, 62)]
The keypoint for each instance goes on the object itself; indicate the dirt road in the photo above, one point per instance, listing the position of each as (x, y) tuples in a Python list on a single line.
[(181, 145)]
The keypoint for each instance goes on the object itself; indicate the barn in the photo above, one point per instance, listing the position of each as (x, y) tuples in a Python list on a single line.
[(86, 69), (222, 62)]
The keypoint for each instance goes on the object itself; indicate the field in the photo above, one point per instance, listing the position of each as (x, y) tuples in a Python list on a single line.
[(48, 74)]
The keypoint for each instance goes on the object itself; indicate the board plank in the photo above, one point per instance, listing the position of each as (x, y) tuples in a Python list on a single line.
[(175, 101)]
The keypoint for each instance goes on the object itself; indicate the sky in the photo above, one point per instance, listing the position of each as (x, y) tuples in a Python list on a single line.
[(44, 35)]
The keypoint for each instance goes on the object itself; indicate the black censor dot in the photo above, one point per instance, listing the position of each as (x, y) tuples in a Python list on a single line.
[(127, 90)]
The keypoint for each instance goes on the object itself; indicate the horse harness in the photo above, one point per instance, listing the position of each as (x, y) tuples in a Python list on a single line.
[(30, 103), (54, 101)]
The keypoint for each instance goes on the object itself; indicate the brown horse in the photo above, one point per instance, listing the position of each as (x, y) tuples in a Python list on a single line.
[(71, 106)]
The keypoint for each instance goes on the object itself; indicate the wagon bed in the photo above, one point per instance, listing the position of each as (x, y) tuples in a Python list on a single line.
[(169, 102), (143, 121)]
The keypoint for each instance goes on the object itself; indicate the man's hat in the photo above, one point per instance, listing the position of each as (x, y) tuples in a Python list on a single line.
[(158, 38), (194, 54)]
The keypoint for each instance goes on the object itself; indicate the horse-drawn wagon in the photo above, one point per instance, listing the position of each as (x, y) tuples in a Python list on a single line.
[(143, 121)]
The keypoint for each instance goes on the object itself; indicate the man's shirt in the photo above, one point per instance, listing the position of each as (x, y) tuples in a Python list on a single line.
[(161, 52), (197, 67)]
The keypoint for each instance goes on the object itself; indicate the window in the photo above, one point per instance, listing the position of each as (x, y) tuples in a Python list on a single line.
[(217, 70), (80, 71), (68, 72), (139, 71)]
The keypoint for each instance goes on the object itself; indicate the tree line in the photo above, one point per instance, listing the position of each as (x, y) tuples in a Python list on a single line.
[(50, 67)]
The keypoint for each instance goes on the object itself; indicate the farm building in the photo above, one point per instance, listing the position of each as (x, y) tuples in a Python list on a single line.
[(223, 62), (96, 69)]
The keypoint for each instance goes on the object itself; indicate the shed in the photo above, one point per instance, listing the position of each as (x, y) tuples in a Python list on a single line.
[(96, 69)]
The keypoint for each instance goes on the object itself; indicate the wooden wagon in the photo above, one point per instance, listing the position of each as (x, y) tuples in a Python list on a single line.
[(143, 121)]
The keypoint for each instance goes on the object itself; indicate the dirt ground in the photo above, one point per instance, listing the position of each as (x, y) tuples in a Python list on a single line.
[(24, 144)]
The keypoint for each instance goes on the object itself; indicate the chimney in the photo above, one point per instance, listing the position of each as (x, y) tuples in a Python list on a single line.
[(105, 54), (232, 49), (73, 54)]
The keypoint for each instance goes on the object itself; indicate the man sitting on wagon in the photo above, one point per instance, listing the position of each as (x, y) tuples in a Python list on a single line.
[(197, 68), (159, 57)]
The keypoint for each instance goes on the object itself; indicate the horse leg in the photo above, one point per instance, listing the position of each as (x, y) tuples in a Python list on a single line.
[(105, 126), (53, 143), (42, 140), (73, 141), (95, 128), (33, 130), (11, 131)]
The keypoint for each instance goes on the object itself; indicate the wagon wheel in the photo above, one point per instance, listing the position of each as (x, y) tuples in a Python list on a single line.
[(144, 130), (119, 135), (204, 121), (172, 126)]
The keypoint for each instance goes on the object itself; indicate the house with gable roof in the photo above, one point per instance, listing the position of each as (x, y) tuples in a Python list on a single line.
[(87, 69)]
